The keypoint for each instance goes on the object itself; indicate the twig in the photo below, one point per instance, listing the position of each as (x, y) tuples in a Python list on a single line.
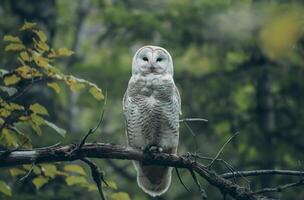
[(262, 172), (221, 149), (232, 172), (93, 130), (193, 120), (279, 188), (28, 173), (97, 176), (180, 179), (201, 190)]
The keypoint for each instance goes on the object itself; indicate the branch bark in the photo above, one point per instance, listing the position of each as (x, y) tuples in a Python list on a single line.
[(110, 151)]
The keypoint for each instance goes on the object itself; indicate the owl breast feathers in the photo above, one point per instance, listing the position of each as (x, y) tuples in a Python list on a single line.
[(151, 107)]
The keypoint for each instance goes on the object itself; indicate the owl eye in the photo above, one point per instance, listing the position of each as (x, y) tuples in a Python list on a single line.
[(159, 59), (145, 58)]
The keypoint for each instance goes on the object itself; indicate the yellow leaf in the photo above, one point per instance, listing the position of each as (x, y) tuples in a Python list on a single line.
[(55, 87), (28, 25), (75, 168), (64, 52), (5, 189), (75, 87), (38, 109), (49, 170), (41, 61), (14, 106), (24, 118), (40, 181), (24, 71), (11, 38), (8, 138), (72, 180), (14, 47), (96, 92), (10, 80), (43, 46), (25, 56), (16, 171), (41, 35), (4, 113), (120, 196), (52, 54)]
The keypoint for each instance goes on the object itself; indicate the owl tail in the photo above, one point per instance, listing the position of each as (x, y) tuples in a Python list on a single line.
[(154, 180)]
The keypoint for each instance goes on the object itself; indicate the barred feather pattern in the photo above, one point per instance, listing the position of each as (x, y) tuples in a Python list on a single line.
[(151, 108)]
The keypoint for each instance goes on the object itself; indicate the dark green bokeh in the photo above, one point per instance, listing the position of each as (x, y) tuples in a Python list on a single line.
[(238, 63)]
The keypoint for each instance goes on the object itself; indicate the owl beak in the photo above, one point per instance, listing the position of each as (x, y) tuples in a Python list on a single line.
[(152, 68)]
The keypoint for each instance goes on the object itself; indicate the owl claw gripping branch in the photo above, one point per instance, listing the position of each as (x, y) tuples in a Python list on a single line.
[(151, 107)]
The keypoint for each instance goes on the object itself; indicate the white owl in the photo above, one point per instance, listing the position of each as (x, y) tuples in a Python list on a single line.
[(151, 107)]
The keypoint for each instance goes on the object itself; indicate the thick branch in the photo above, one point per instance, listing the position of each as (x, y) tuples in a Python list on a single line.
[(100, 150)]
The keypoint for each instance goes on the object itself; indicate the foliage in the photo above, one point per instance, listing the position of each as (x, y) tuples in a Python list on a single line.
[(35, 64)]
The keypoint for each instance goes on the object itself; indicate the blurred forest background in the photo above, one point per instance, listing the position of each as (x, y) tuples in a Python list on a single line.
[(238, 63)]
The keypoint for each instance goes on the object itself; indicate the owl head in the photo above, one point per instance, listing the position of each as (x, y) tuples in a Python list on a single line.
[(152, 60)]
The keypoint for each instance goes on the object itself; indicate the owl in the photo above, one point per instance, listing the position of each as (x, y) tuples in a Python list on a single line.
[(151, 108)]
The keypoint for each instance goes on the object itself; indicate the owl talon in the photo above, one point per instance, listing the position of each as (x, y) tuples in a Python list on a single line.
[(154, 149)]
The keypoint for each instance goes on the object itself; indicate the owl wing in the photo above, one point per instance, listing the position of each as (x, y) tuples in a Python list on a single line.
[(133, 122), (177, 95)]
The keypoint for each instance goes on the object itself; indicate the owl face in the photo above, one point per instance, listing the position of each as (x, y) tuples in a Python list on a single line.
[(152, 60)]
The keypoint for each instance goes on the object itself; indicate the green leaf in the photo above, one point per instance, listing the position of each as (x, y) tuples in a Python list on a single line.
[(9, 90), (112, 185), (8, 138), (55, 87), (11, 38), (72, 180), (75, 169), (61, 131), (120, 196), (36, 169), (49, 170), (16, 171), (40, 181), (5, 189), (28, 25), (36, 128), (14, 47), (38, 109), (96, 92), (37, 119), (10, 80), (64, 52)]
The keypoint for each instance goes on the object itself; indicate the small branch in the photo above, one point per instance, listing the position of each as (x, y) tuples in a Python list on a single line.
[(262, 173), (193, 120), (28, 173), (93, 130), (97, 176), (200, 188), (221, 149), (180, 179), (280, 188)]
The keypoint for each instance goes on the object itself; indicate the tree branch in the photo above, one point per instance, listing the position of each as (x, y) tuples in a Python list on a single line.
[(110, 151), (261, 173)]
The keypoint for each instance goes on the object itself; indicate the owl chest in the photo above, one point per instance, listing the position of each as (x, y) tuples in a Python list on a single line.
[(153, 89)]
